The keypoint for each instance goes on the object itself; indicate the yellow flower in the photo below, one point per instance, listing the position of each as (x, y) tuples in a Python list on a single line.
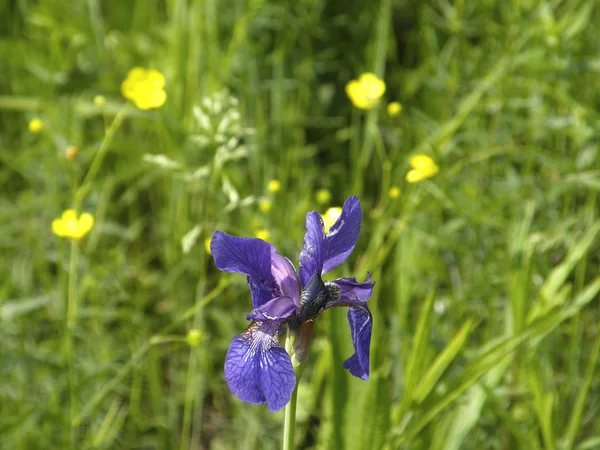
[(394, 192), (36, 126), (69, 226), (330, 216), (194, 337), (265, 205), (365, 92), (100, 100), (323, 196), (423, 167), (145, 87), (263, 234), (274, 186), (393, 109), (207, 246)]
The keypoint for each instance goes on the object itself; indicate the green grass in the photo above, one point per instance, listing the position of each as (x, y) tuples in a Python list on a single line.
[(486, 303)]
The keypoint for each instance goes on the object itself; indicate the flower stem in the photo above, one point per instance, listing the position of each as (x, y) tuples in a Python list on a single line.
[(83, 190), (289, 424), (71, 317)]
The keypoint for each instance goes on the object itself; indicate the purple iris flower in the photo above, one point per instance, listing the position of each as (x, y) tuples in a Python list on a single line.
[(257, 368)]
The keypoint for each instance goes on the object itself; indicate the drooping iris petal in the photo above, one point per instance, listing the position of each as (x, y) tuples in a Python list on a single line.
[(355, 296), (285, 276), (251, 257), (313, 253), (257, 369), (279, 308), (342, 236)]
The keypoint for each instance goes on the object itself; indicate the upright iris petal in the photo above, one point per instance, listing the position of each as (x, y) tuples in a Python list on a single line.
[(324, 252)]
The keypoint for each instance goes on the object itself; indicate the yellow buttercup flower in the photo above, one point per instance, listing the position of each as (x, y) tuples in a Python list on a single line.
[(323, 196), (393, 109), (263, 234), (274, 186), (423, 167), (265, 205), (394, 192), (365, 92), (145, 88), (36, 126), (69, 226), (330, 216)]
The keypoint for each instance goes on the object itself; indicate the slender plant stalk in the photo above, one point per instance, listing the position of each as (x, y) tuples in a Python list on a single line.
[(70, 322), (97, 162), (289, 424)]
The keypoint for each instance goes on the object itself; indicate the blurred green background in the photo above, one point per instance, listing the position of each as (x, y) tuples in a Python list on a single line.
[(486, 304)]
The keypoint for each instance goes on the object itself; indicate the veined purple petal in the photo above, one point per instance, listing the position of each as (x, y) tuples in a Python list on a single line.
[(279, 308), (322, 253), (251, 257), (342, 236), (361, 326), (355, 295), (285, 276), (352, 289), (257, 369), (313, 253)]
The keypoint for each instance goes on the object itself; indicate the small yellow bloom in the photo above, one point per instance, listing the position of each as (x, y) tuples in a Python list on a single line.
[(71, 152), (207, 246), (265, 205), (145, 87), (274, 186), (323, 196), (100, 100), (69, 226), (263, 234), (194, 338), (423, 167), (365, 92), (394, 192), (36, 126), (330, 217), (393, 109)]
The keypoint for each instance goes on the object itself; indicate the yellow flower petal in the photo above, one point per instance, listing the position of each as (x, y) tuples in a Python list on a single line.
[(86, 222), (265, 206), (58, 227), (69, 215), (414, 176), (144, 88), (365, 92)]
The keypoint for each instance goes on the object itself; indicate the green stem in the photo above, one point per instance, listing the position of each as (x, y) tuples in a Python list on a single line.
[(97, 162), (289, 424), (70, 322)]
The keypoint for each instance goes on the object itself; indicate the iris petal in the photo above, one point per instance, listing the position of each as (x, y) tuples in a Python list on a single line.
[(285, 276), (342, 236), (248, 256), (324, 252), (279, 308), (312, 255), (257, 369), (355, 295)]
